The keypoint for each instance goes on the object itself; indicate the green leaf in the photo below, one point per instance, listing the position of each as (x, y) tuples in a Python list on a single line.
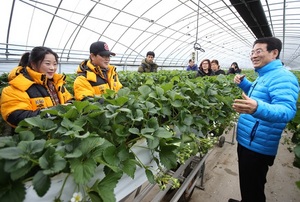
[(188, 120), (16, 174), (134, 131), (152, 143), (124, 153), (150, 176), (166, 86), (145, 90), (125, 91), (80, 105), (90, 108), (120, 101), (166, 111), (52, 162), (12, 165), (107, 185), (71, 113), (32, 147), (87, 145), (7, 141), (75, 154), (4, 177), (129, 167), (163, 133), (110, 156), (297, 151), (126, 110), (149, 105), (159, 91), (41, 183), (95, 113), (177, 103), (11, 153), (149, 137), (167, 157), (138, 115), (71, 126), (94, 196), (110, 115), (45, 125), (82, 136), (147, 130), (34, 121), (153, 123), (83, 170), (13, 192), (26, 135)]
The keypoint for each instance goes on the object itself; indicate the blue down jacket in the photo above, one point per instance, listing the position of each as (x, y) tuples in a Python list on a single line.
[(276, 92)]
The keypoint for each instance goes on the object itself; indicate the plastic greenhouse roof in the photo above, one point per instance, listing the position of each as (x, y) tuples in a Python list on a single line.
[(176, 30)]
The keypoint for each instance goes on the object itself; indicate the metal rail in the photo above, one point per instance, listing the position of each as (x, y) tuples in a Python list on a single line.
[(190, 177), (187, 186)]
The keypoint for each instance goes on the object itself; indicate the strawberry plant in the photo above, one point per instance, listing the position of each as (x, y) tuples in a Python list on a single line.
[(171, 110)]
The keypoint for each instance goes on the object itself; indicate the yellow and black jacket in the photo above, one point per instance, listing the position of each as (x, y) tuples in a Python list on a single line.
[(92, 80), (28, 93)]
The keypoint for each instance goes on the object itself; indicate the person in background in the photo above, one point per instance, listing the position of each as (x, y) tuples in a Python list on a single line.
[(95, 75), (205, 69), (148, 64), (234, 69), (192, 66), (33, 85), (266, 106), (216, 67)]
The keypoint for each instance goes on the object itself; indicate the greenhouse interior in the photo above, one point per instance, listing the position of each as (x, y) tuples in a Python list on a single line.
[(176, 30), (87, 123)]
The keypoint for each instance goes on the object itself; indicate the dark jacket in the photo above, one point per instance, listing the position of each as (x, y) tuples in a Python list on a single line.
[(147, 67), (193, 68), (234, 70), (201, 73), (219, 71)]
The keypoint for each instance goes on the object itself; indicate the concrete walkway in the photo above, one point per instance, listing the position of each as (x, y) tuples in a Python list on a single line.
[(221, 176)]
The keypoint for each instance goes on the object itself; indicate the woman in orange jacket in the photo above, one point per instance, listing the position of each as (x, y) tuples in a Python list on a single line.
[(96, 75), (33, 85)]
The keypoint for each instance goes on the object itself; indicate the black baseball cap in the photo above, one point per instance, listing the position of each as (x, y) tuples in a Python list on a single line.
[(100, 48)]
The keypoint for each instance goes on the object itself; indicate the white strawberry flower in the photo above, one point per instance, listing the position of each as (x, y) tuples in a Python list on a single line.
[(77, 197)]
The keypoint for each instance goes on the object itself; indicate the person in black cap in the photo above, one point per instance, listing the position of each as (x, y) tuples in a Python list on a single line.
[(96, 75), (147, 64)]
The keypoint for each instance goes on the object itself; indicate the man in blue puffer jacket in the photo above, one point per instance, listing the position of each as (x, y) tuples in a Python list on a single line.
[(268, 104)]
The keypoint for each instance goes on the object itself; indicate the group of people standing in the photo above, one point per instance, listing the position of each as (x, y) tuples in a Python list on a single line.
[(266, 106), (34, 84), (211, 68)]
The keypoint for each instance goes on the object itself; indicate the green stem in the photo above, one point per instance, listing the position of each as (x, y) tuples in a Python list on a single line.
[(134, 140), (62, 187)]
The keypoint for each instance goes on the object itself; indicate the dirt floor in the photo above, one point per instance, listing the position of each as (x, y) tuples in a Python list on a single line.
[(221, 176)]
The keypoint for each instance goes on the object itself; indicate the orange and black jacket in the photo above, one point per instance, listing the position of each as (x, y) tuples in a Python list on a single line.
[(92, 80), (28, 93)]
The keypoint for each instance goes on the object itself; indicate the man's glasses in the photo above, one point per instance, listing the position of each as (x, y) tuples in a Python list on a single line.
[(257, 52)]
